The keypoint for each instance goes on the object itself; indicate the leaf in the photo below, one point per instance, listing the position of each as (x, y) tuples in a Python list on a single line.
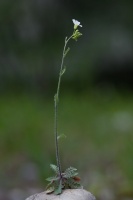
[(72, 168), (76, 178), (50, 190), (63, 71), (51, 179), (70, 172), (72, 183), (54, 168), (49, 185), (66, 52), (58, 190), (61, 136)]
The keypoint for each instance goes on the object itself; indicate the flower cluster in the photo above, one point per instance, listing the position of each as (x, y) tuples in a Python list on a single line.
[(76, 33)]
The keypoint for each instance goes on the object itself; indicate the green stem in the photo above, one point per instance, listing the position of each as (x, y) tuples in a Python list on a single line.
[(56, 102)]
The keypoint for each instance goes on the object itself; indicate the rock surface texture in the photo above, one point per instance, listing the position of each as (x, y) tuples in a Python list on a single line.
[(68, 194)]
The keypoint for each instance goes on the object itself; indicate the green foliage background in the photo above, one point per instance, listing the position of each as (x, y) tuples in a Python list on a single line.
[(99, 140)]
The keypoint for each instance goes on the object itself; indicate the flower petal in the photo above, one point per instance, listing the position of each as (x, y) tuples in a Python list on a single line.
[(76, 22)]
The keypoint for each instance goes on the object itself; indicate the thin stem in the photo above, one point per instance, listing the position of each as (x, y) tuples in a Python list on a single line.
[(62, 62), (56, 136), (56, 102)]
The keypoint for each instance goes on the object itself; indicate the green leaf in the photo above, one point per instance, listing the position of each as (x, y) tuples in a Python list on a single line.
[(51, 179), (54, 168), (72, 183), (49, 185), (63, 71), (61, 136), (72, 168), (58, 190), (70, 172), (50, 190), (66, 52)]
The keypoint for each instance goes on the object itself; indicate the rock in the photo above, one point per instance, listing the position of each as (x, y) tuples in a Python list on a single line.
[(68, 194)]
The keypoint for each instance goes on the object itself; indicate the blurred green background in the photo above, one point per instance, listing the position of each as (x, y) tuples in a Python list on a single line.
[(96, 102)]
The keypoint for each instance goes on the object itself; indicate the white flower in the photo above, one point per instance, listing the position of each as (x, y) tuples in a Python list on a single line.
[(76, 23)]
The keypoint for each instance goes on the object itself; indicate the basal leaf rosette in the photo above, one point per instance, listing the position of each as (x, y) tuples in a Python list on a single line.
[(68, 180)]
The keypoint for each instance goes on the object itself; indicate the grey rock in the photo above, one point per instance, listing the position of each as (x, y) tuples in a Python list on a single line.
[(68, 194)]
